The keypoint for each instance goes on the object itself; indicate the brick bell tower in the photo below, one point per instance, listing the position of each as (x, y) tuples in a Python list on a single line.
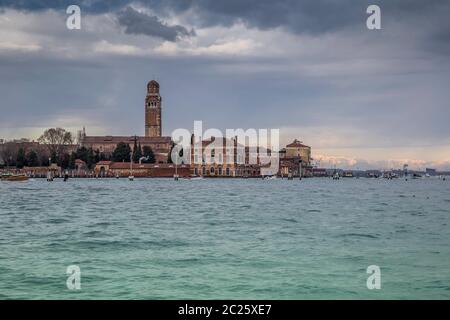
[(153, 110)]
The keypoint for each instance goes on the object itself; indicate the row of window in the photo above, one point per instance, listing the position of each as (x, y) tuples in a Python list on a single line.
[(230, 158), (212, 171), (152, 104)]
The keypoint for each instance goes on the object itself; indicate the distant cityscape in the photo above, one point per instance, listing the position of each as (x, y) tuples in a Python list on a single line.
[(58, 151)]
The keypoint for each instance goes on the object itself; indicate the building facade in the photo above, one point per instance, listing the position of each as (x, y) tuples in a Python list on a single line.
[(111, 169)]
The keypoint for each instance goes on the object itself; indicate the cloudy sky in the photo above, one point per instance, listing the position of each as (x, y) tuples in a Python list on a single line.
[(361, 98)]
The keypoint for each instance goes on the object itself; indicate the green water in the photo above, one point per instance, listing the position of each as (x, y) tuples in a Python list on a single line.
[(225, 239)]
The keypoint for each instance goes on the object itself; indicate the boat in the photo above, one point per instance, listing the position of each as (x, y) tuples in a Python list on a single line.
[(14, 177), (196, 178), (347, 174)]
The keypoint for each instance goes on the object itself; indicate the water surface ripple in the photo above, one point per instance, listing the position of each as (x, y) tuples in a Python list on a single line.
[(225, 238)]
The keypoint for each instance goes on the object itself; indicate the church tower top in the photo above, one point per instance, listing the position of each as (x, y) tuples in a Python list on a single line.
[(153, 87)]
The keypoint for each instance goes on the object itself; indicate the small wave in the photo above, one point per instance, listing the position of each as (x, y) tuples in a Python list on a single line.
[(359, 235), (290, 220), (57, 220)]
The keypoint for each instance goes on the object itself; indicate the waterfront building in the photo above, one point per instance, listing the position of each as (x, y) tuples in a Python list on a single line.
[(297, 149), (222, 157), (295, 160), (154, 170)]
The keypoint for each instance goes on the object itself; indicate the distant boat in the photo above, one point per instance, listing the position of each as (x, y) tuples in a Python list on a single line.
[(14, 177), (348, 174), (197, 178)]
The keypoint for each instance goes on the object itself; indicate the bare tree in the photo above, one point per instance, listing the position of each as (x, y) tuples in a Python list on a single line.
[(56, 140)]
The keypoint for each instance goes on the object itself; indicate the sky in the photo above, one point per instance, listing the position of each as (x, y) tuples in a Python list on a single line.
[(360, 98)]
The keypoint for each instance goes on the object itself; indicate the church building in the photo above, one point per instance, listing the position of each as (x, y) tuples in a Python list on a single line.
[(153, 131)]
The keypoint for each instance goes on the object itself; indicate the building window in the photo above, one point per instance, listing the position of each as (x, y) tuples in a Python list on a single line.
[(203, 171), (220, 157), (227, 171), (211, 170), (195, 172), (220, 171)]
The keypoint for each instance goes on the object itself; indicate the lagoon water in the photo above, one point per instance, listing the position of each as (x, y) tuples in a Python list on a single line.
[(225, 238)]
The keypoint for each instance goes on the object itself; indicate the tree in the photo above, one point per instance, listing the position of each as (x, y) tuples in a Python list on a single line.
[(9, 153), (148, 152), (135, 150), (122, 152), (32, 159), (90, 158), (65, 161), (97, 156), (21, 159), (44, 161), (54, 157), (87, 155), (73, 157), (56, 140), (139, 152)]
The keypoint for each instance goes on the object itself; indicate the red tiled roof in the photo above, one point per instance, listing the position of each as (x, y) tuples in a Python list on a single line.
[(296, 144)]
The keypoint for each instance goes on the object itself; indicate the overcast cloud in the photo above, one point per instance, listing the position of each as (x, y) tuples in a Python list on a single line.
[(360, 98)]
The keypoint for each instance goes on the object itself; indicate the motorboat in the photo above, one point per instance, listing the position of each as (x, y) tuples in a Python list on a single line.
[(14, 177)]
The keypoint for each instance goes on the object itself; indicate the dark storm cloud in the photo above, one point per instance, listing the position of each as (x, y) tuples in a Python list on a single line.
[(92, 6), (295, 15), (140, 23), (305, 16)]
